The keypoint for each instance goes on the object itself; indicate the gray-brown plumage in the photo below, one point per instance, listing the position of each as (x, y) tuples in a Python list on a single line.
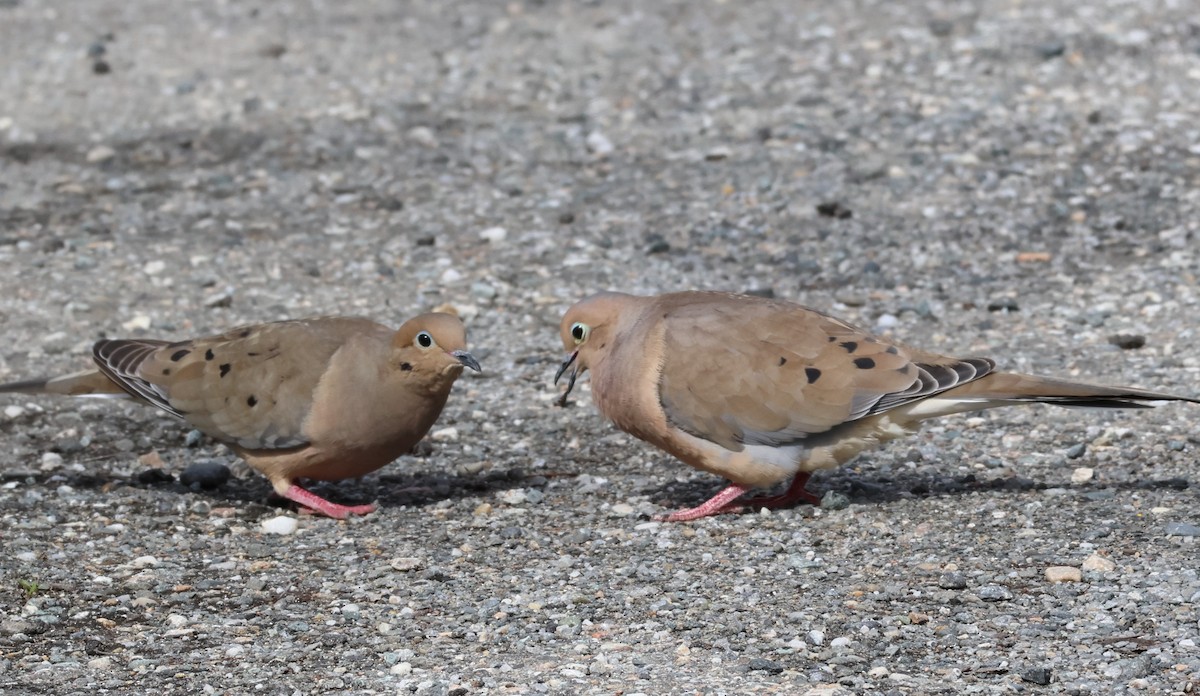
[(759, 391), (327, 398)]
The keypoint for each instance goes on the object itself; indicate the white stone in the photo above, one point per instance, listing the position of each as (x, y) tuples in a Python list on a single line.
[(512, 496), (1098, 563), (100, 153), (1083, 474), (51, 461), (423, 136), (494, 234), (13, 411), (280, 525), (1063, 574), (599, 144), (445, 435), (622, 509), (144, 562), (154, 267), (405, 563), (140, 321)]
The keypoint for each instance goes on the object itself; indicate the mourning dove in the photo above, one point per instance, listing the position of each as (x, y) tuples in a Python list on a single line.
[(327, 398), (759, 390)]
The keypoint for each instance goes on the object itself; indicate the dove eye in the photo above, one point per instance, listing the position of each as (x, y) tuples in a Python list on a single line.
[(424, 339), (580, 331)]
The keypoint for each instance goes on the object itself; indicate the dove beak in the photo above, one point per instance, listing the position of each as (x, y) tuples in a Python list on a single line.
[(467, 359), (570, 382)]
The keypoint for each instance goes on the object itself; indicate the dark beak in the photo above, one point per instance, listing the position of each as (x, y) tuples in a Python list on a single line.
[(467, 359), (571, 382)]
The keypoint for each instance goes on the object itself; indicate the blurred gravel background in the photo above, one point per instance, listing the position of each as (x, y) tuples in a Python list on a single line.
[(1004, 178)]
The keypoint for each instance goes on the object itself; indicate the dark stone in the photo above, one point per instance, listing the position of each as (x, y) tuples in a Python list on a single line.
[(205, 474), (656, 244), (1127, 341), (149, 477), (759, 664), (1051, 49), (1037, 675), (941, 28), (1004, 304), (834, 210), (952, 581)]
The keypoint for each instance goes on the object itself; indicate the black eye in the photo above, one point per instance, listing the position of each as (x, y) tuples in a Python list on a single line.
[(424, 339), (578, 331)]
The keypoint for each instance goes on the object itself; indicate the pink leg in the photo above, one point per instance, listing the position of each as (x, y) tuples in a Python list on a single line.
[(318, 504), (715, 505), (796, 492)]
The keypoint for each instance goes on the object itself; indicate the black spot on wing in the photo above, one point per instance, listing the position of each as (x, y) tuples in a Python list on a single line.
[(252, 401), (782, 361), (179, 354), (812, 373), (208, 354), (850, 346), (224, 369), (864, 363)]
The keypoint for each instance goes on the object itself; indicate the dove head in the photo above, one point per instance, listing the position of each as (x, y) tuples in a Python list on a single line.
[(587, 328), (432, 344)]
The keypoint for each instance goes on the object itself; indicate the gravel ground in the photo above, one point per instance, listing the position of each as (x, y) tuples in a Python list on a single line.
[(1004, 178)]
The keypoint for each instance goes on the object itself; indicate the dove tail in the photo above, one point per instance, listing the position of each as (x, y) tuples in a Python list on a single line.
[(1009, 386), (1009, 389), (86, 383)]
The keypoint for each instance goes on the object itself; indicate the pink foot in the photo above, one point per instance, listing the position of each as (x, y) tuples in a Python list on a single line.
[(719, 503), (318, 504), (796, 493), (723, 502)]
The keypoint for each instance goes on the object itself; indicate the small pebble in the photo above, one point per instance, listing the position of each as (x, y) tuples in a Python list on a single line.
[(280, 525), (206, 474), (1083, 474), (1127, 341), (952, 581), (1037, 675), (51, 461), (599, 144), (405, 563), (1098, 563), (445, 435), (834, 500), (835, 210), (1182, 529), (494, 235), (764, 665), (994, 593), (1063, 574), (1076, 451)]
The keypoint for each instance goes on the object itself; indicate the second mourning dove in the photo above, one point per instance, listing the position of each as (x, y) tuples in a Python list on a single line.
[(327, 398), (759, 391)]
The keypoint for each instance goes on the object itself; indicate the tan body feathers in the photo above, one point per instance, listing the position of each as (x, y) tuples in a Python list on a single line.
[(327, 398), (759, 391)]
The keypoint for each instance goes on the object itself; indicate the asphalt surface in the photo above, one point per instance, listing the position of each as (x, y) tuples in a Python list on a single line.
[(1009, 179)]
